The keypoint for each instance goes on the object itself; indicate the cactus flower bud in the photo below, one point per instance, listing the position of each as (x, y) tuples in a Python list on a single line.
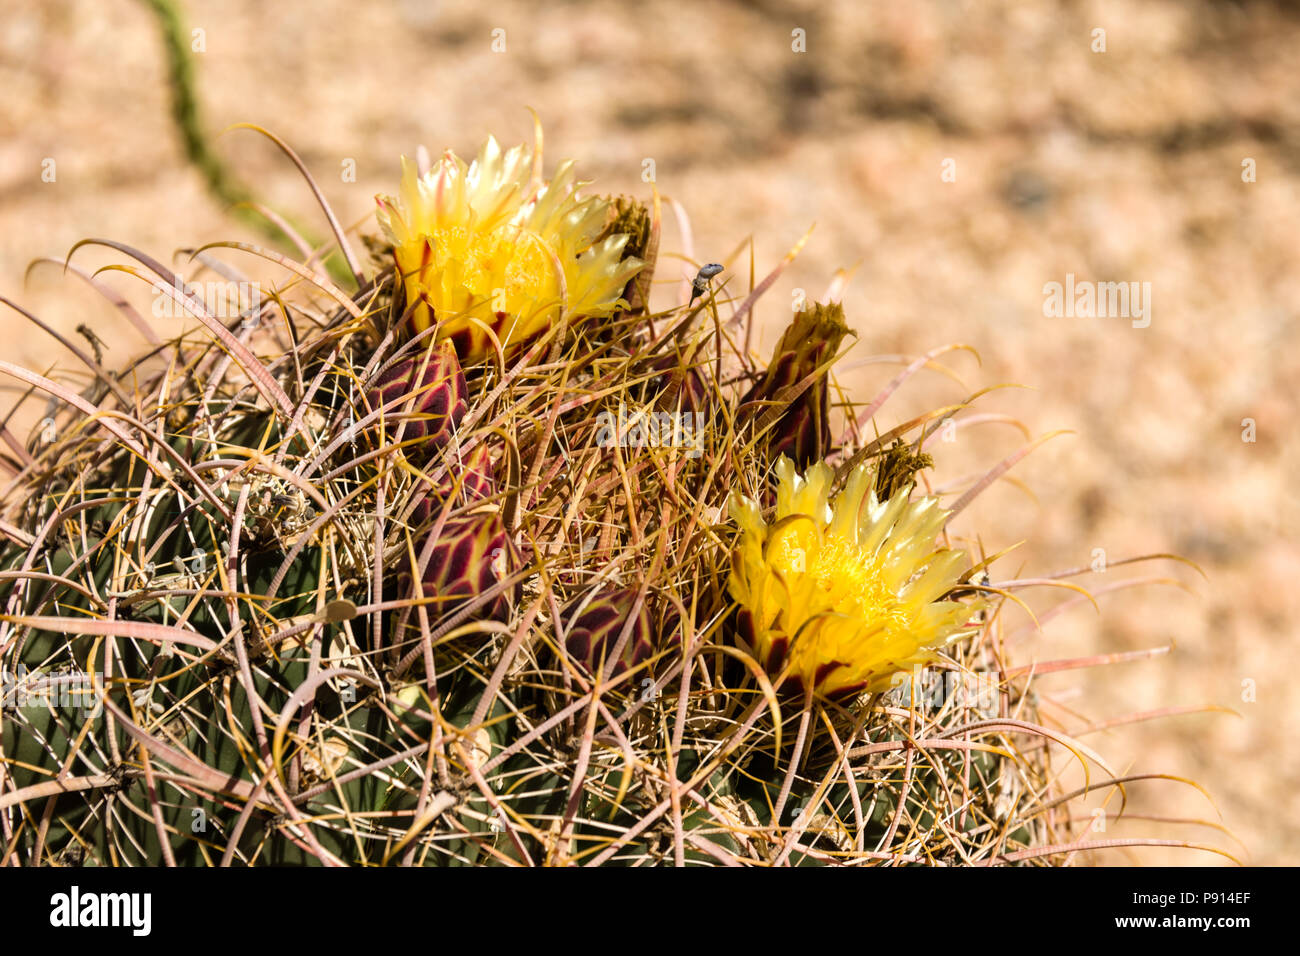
[(437, 397), (802, 430), (471, 479), (593, 634), (472, 555)]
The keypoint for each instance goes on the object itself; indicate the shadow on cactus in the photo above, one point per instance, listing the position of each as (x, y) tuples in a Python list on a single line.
[(484, 561)]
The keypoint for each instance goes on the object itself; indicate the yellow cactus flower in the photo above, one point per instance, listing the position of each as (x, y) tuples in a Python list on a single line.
[(486, 246), (844, 593)]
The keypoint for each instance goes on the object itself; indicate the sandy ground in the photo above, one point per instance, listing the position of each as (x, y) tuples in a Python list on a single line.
[(962, 155)]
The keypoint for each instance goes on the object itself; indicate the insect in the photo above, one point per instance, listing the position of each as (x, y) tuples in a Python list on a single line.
[(293, 503), (700, 284), (274, 509), (96, 343)]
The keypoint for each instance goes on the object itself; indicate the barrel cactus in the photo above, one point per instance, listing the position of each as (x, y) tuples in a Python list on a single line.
[(483, 561)]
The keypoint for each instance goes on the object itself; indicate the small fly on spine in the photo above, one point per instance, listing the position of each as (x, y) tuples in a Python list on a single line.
[(700, 284)]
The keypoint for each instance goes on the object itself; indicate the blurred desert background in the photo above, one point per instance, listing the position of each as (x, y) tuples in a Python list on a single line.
[(1122, 165)]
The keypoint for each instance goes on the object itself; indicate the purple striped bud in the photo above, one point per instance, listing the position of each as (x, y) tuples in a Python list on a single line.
[(471, 479), (593, 634), (436, 398), (473, 554)]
